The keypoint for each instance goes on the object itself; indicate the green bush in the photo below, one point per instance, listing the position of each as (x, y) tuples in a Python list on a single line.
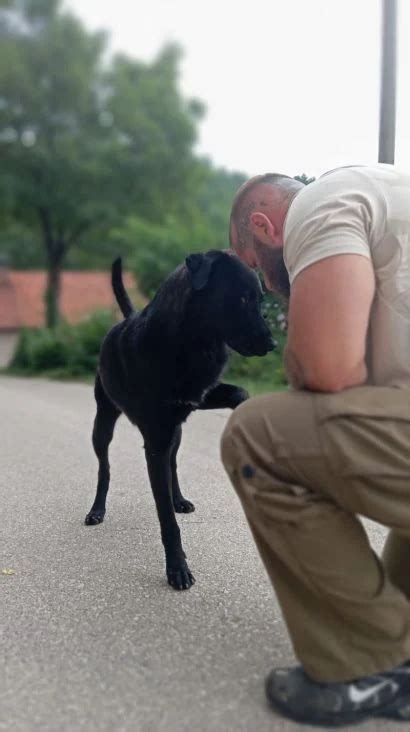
[(69, 350), (39, 350), (85, 340)]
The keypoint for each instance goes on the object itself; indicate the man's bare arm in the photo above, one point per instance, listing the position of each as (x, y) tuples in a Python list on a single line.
[(328, 320), (293, 370)]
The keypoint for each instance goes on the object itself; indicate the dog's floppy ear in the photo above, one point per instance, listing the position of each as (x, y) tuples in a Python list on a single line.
[(199, 267)]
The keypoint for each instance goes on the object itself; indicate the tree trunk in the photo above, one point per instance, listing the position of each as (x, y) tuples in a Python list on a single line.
[(52, 295), (56, 243), (55, 253)]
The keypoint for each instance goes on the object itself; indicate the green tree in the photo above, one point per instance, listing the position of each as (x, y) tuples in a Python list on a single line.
[(83, 143), (200, 222)]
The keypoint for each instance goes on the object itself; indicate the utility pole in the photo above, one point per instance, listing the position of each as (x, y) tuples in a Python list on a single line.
[(387, 123)]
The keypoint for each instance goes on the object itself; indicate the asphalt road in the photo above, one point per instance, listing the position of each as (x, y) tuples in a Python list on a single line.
[(92, 638)]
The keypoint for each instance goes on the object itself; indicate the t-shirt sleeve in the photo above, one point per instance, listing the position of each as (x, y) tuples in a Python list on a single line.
[(337, 216)]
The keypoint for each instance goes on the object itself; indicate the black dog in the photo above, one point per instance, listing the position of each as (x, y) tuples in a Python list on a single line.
[(159, 365)]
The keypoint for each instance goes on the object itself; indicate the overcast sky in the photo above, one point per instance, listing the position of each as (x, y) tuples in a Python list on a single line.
[(290, 86)]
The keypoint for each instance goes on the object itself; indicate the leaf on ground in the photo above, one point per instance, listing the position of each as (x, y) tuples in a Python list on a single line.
[(7, 571)]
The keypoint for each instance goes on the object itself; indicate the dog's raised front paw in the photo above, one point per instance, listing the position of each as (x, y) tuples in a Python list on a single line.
[(181, 505), (180, 578), (94, 517), (240, 396)]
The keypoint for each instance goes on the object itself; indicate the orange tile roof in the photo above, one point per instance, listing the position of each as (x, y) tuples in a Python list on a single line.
[(22, 296)]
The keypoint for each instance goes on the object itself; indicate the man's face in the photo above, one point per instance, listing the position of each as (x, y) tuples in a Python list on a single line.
[(269, 260), (271, 263)]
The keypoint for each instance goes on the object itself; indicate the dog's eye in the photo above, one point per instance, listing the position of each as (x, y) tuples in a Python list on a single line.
[(243, 300)]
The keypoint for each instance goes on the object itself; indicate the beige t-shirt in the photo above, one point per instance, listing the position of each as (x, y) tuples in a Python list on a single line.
[(366, 211)]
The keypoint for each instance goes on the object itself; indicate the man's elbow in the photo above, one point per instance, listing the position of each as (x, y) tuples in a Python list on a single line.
[(336, 380), (327, 384)]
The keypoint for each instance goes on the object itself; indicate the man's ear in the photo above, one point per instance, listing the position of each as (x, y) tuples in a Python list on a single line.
[(262, 227), (199, 267)]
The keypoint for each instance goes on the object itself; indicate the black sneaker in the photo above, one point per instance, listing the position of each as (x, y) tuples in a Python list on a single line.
[(297, 697)]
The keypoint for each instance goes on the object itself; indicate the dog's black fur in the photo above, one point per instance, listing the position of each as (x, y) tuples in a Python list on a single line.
[(159, 365)]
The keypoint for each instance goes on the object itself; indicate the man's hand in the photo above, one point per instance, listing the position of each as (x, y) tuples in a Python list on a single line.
[(329, 313)]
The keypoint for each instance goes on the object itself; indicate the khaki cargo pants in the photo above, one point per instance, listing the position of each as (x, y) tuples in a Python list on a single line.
[(305, 466)]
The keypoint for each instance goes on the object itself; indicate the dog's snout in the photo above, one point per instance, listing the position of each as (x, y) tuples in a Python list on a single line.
[(262, 345)]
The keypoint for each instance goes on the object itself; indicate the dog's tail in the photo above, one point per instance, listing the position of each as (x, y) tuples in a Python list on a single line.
[(120, 293)]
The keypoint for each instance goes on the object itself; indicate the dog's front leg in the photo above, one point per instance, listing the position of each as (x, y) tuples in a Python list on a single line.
[(159, 469), (224, 396)]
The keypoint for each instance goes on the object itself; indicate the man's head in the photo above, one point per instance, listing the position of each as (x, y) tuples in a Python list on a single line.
[(256, 226)]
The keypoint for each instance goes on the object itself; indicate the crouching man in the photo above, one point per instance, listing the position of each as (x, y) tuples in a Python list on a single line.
[(307, 462)]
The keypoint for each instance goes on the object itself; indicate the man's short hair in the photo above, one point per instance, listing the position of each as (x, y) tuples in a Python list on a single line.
[(244, 202)]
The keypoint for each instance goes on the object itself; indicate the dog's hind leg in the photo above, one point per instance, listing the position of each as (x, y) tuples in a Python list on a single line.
[(181, 504), (104, 423), (158, 457)]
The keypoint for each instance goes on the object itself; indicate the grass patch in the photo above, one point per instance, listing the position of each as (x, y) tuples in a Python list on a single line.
[(259, 386)]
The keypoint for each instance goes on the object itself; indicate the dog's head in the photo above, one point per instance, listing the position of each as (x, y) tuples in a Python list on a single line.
[(231, 296)]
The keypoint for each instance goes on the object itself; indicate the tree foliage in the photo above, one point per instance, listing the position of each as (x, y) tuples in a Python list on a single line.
[(84, 143), (98, 160)]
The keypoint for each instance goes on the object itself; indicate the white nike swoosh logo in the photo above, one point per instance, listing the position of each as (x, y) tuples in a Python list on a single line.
[(358, 696)]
